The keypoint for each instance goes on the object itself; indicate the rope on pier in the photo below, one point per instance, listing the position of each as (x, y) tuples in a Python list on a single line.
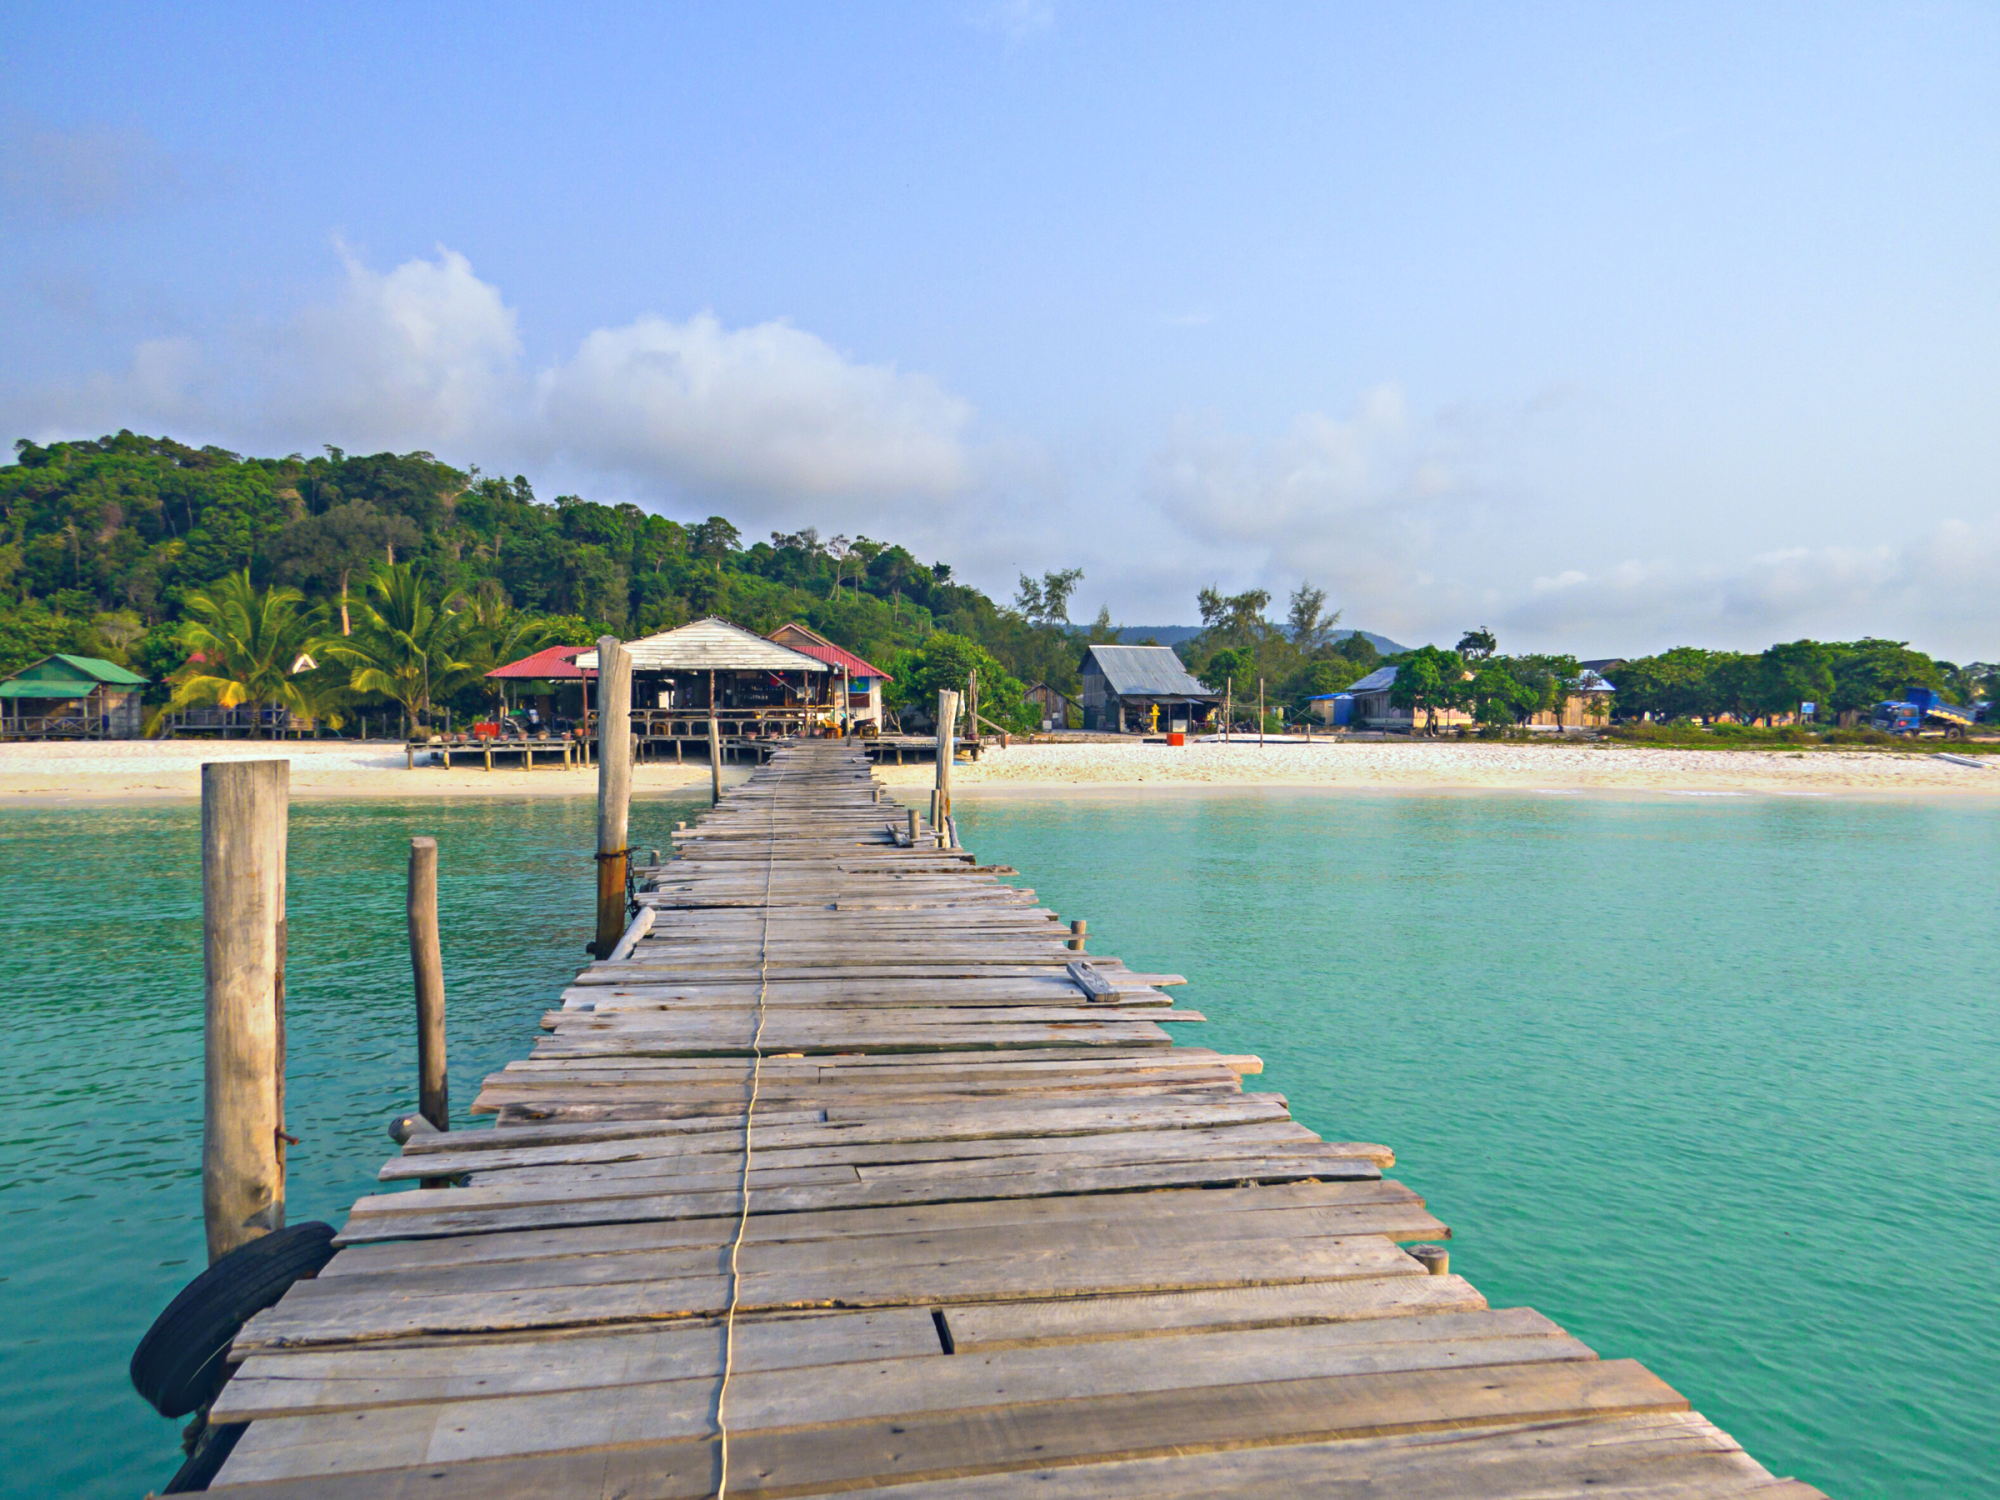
[(749, 1118)]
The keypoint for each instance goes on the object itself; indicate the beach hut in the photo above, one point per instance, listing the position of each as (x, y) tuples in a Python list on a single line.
[(71, 697), (857, 686), (551, 680), (758, 686), (1123, 685)]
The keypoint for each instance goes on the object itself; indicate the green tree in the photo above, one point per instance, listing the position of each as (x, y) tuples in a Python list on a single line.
[(243, 643), (1676, 684), (1790, 674), (1430, 680), (407, 643), (1477, 645), (1046, 601), (329, 548), (1868, 672), (1498, 697), (946, 662), (1307, 619)]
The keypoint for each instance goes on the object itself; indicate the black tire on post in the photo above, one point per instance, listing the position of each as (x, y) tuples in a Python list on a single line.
[(178, 1365)]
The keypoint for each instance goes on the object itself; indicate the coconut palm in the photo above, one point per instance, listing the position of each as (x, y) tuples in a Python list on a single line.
[(243, 644), (407, 642)]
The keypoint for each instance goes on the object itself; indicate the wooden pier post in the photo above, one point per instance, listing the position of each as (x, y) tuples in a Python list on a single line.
[(947, 741), (913, 828), (1434, 1258), (427, 968), (1076, 932), (614, 787), (714, 761), (243, 828)]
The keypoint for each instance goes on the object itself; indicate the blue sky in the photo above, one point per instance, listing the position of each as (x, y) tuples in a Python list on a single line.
[(1609, 326)]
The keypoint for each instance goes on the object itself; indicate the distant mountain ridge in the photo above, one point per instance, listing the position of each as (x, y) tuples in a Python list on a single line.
[(1173, 635)]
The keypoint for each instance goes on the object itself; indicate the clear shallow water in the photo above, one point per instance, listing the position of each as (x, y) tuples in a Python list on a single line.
[(1714, 1084), (100, 1155)]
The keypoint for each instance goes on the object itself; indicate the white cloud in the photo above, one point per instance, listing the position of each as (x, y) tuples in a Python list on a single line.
[(1357, 503), (767, 411), (768, 419), (426, 355), (1935, 588)]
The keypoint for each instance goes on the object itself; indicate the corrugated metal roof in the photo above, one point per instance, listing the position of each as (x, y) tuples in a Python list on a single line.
[(710, 645), (820, 648), (1375, 681), (550, 664), (1145, 672)]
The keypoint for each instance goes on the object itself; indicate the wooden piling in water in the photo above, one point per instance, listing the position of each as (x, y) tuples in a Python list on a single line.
[(243, 839), (427, 970), (614, 788)]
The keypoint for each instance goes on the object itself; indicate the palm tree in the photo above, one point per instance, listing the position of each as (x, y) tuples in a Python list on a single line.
[(493, 633), (406, 643), (243, 644)]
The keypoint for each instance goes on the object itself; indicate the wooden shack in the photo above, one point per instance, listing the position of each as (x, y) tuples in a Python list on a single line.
[(72, 697), (760, 687), (857, 686), (1123, 685)]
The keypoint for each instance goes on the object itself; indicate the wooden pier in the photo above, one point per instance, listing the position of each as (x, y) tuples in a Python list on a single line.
[(849, 1174)]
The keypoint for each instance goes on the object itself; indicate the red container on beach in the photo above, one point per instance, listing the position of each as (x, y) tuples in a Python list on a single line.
[(1176, 737)]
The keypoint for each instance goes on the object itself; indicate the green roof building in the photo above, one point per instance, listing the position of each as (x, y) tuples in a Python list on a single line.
[(71, 697)]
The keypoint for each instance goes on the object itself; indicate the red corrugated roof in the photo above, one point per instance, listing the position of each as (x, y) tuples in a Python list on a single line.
[(819, 648), (551, 664)]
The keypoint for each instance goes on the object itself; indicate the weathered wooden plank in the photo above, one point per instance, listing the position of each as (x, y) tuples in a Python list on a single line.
[(823, 1459), (509, 1426), (304, 1318), (1279, 1210), (292, 1382)]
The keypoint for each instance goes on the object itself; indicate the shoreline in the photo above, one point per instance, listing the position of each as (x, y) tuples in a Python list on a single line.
[(127, 771)]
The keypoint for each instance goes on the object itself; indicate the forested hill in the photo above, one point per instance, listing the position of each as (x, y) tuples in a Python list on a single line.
[(136, 549), (102, 543)]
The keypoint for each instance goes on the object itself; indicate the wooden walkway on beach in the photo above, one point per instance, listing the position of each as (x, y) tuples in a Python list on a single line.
[(850, 1157)]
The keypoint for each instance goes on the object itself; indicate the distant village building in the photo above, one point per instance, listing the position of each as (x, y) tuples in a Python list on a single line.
[(855, 681), (1123, 685), (1366, 705), (72, 697)]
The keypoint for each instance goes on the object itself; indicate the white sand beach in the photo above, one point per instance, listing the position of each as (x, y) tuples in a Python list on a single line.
[(58, 772)]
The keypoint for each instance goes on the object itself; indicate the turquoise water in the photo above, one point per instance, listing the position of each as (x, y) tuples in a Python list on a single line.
[(100, 1160), (1713, 1084)]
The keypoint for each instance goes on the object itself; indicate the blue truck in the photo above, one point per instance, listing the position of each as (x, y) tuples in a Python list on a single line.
[(1920, 709)]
